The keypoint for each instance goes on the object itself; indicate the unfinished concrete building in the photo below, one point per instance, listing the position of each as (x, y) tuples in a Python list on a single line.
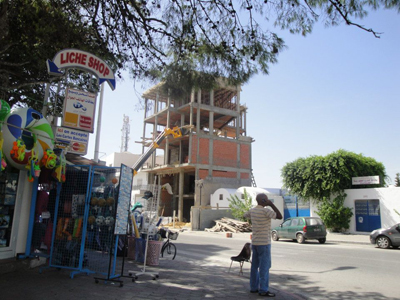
[(217, 152)]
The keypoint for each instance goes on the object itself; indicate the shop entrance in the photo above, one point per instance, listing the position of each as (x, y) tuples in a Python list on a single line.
[(74, 221)]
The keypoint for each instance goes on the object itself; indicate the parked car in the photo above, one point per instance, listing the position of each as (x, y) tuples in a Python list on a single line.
[(300, 229), (384, 238)]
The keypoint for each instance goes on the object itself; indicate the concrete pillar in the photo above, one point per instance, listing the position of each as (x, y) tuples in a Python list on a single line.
[(144, 125), (238, 111), (191, 108), (155, 134), (211, 140), (180, 203), (198, 125), (166, 152), (245, 122)]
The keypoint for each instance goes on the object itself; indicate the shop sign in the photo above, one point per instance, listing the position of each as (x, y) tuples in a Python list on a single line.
[(77, 140), (365, 180), (79, 110), (74, 58)]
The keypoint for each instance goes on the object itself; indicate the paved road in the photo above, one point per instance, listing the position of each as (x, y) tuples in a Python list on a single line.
[(342, 271), (330, 271)]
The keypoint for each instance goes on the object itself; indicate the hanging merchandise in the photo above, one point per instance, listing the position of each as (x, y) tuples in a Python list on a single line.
[(2, 160), (49, 159), (59, 172), (4, 110), (33, 167), (31, 133)]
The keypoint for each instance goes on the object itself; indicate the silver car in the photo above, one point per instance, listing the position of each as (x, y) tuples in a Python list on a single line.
[(386, 237)]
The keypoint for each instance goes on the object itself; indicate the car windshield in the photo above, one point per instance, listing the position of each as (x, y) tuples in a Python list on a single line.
[(311, 222)]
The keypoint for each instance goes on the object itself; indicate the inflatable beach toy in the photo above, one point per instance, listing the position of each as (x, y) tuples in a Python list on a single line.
[(26, 133)]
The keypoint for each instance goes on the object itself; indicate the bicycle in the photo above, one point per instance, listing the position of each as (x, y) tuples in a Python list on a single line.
[(168, 249)]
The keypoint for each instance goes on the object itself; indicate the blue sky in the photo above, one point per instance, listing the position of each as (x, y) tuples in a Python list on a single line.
[(335, 89)]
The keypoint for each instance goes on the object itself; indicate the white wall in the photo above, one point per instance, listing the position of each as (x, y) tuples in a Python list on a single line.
[(389, 199), (117, 158), (226, 195), (252, 192)]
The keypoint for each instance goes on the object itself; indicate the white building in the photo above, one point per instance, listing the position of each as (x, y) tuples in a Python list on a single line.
[(220, 199), (140, 180), (372, 208)]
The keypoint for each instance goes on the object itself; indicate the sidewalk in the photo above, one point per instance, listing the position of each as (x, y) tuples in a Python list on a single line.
[(179, 279), (348, 238)]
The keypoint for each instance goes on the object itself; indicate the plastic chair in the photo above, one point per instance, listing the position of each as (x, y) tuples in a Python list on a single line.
[(243, 256)]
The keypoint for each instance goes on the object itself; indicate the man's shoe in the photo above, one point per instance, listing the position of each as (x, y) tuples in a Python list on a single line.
[(256, 291), (266, 294)]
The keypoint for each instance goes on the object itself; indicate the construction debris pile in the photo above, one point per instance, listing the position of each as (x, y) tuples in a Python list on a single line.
[(229, 225)]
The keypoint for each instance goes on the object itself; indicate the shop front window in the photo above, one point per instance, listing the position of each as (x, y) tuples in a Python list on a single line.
[(8, 195)]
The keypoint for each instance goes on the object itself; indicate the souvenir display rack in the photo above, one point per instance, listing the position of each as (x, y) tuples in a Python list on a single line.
[(149, 227)]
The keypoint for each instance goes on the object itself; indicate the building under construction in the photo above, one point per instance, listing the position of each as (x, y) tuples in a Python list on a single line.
[(216, 153)]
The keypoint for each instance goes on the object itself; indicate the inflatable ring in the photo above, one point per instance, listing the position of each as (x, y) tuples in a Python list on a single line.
[(33, 129)]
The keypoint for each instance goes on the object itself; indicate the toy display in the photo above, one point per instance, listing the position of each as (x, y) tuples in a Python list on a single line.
[(26, 133), (2, 160)]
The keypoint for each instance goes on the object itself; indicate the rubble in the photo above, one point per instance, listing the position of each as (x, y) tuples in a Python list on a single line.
[(229, 225)]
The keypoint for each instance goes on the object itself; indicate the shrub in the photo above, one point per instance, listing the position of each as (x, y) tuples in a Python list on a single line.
[(240, 206), (334, 214)]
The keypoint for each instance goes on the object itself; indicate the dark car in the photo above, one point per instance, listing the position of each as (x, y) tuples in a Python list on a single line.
[(384, 238), (301, 229)]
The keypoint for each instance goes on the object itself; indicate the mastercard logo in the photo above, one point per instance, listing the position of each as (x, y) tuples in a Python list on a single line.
[(78, 147)]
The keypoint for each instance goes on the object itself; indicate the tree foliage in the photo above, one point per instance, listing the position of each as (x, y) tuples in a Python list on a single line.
[(319, 177), (160, 39), (336, 217), (239, 206), (397, 180), (31, 33)]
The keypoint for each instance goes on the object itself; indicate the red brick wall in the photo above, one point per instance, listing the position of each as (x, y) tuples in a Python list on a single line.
[(225, 153), (224, 174), (245, 156), (244, 175), (203, 173), (194, 150), (204, 150)]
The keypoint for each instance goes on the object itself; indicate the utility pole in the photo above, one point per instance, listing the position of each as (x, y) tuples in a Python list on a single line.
[(126, 129)]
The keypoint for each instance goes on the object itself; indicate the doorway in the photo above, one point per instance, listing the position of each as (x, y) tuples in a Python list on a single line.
[(368, 215)]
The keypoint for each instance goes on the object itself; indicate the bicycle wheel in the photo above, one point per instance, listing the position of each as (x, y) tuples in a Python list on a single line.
[(169, 251)]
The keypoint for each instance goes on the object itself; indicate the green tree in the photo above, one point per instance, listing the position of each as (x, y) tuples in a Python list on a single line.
[(397, 180), (318, 177), (323, 179), (239, 206), (31, 33), (160, 38)]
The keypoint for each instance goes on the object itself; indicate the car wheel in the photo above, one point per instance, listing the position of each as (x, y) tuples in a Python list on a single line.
[(383, 242), (275, 236), (300, 238), (322, 241)]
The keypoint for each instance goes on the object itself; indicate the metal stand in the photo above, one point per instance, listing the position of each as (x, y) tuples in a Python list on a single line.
[(152, 215)]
